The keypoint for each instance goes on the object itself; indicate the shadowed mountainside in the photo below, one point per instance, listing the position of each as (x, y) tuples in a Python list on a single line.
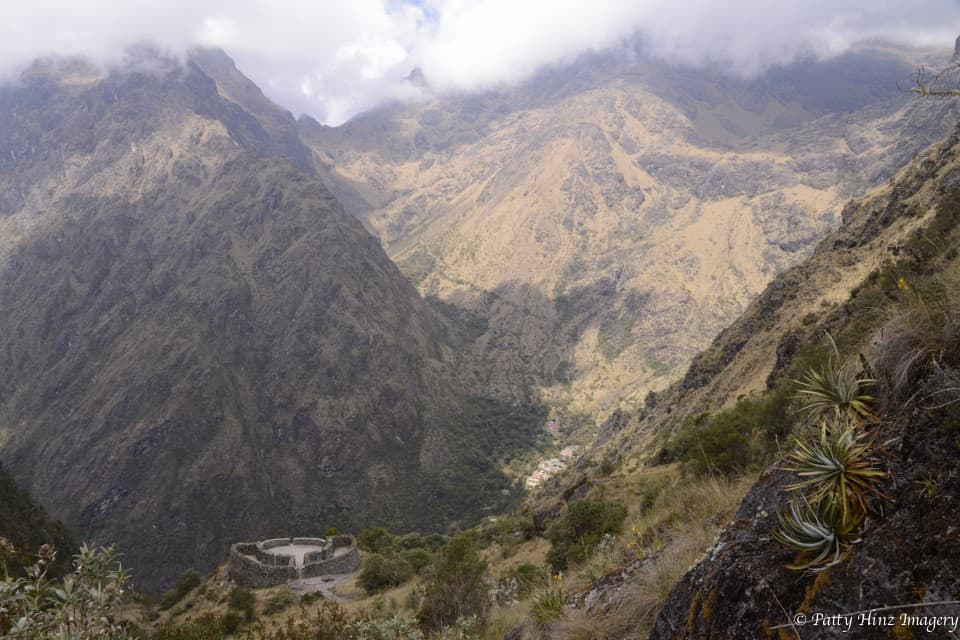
[(199, 346)]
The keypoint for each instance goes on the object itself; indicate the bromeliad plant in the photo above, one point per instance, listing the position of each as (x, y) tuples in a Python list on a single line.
[(839, 466), (835, 389), (836, 469), (818, 531)]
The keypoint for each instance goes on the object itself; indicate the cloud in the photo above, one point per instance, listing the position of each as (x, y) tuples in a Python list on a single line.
[(333, 59)]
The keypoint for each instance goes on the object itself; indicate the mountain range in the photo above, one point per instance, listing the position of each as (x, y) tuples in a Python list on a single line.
[(608, 218), (200, 344)]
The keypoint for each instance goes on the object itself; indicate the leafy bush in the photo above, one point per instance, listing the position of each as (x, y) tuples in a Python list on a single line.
[(454, 585), (466, 628), (278, 602), (187, 582), (382, 572), (527, 577), (232, 621), (329, 622), (576, 534), (435, 541), (417, 558), (412, 541), (205, 627), (85, 605), (376, 540), (394, 628), (242, 600), (731, 441)]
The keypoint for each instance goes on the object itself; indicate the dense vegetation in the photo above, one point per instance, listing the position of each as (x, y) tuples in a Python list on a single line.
[(579, 530), (85, 605), (733, 441), (27, 526)]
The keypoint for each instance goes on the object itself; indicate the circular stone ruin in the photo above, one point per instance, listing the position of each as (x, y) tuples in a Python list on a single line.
[(279, 560)]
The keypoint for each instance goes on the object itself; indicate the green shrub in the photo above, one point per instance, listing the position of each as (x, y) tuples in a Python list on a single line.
[(736, 439), (242, 600), (377, 540), (575, 535), (232, 621), (329, 622), (85, 604), (393, 628), (454, 585), (435, 541), (278, 602), (187, 582), (382, 572), (527, 577), (169, 598), (412, 541), (418, 558)]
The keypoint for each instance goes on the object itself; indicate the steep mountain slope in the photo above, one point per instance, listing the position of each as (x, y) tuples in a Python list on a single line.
[(884, 285), (199, 346), (607, 219), (904, 314)]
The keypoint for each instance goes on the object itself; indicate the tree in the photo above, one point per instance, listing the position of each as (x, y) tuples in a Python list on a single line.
[(927, 84), (454, 585)]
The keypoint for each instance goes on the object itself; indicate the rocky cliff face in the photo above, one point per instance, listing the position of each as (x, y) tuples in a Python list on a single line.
[(198, 345), (907, 556)]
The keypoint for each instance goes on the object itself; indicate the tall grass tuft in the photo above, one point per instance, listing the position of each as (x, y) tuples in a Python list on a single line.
[(918, 338)]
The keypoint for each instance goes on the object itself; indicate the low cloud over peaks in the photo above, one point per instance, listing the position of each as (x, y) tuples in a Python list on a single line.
[(335, 59)]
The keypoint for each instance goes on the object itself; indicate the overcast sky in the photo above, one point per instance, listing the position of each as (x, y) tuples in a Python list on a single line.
[(334, 58)]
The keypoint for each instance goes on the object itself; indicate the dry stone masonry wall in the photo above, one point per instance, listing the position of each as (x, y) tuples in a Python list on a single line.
[(252, 565)]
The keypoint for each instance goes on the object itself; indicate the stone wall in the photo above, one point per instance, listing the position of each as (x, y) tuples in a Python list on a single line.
[(266, 570), (317, 556), (272, 559), (246, 571), (274, 542), (343, 563)]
